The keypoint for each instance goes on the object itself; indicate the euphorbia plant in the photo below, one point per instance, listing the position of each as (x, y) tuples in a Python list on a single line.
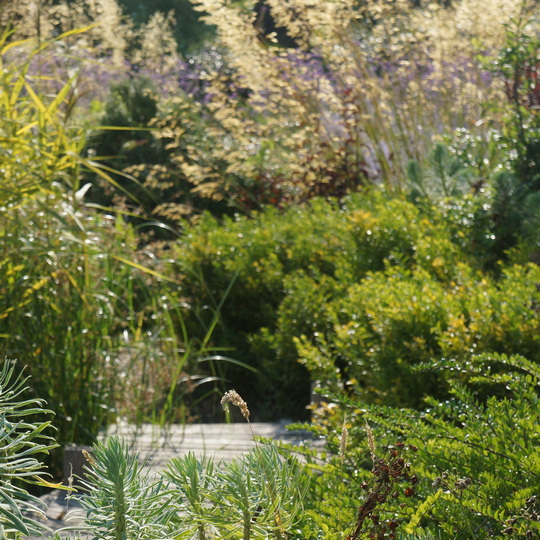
[(22, 438)]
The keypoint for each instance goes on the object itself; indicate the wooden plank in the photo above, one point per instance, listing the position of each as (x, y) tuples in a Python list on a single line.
[(222, 442)]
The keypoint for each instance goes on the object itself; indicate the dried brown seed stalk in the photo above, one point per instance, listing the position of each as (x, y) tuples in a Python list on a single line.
[(343, 442), (232, 396)]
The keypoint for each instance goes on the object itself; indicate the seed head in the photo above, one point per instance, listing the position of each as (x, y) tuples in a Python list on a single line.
[(343, 442), (232, 396), (371, 441)]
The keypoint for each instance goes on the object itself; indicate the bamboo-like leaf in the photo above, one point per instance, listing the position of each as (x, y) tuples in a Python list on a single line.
[(101, 171), (35, 98), (12, 44), (73, 32), (16, 91), (144, 269), (61, 96), (21, 131)]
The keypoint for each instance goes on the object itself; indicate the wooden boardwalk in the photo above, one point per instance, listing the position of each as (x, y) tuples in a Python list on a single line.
[(221, 442), (155, 446)]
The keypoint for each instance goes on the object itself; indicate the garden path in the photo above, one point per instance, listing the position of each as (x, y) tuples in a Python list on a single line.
[(156, 446), (222, 442)]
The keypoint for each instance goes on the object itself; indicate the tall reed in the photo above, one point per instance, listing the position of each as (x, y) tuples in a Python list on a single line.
[(362, 91), (80, 304)]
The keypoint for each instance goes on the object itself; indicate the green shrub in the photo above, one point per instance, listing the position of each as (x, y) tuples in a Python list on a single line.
[(385, 325), (301, 311), (476, 460), (494, 315), (359, 293), (285, 273), (391, 322)]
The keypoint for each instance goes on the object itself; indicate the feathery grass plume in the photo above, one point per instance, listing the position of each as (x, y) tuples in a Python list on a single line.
[(364, 91), (111, 34), (467, 25), (298, 136), (28, 17), (343, 441), (233, 397), (158, 48), (371, 442)]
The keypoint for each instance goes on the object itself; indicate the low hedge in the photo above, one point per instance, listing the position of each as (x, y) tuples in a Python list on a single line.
[(355, 294)]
